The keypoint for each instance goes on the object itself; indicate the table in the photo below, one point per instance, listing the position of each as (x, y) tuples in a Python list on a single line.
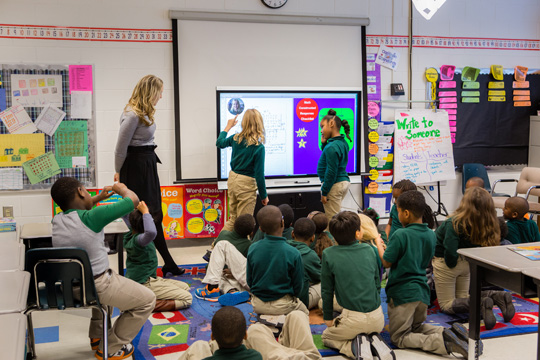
[(43, 232), (13, 336), (499, 266), (535, 275), (14, 300), (11, 256)]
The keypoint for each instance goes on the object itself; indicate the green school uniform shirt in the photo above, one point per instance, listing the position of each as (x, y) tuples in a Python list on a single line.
[(383, 235), (353, 274), (395, 224), (246, 160), (522, 231), (241, 244), (287, 234), (332, 165), (141, 261), (449, 241), (312, 245), (274, 269), (410, 250), (237, 353), (312, 268)]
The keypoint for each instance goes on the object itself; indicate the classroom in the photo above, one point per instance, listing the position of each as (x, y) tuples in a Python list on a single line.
[(429, 88)]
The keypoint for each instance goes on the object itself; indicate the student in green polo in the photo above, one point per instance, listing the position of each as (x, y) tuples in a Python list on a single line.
[(274, 270), (351, 272), (408, 254), (332, 165), (303, 235), (520, 229), (288, 218), (142, 262), (228, 335)]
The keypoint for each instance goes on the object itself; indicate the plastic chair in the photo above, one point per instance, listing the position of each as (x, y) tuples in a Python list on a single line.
[(528, 184), (475, 170), (61, 278)]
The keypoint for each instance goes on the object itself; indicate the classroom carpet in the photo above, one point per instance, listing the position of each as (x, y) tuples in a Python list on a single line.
[(168, 333)]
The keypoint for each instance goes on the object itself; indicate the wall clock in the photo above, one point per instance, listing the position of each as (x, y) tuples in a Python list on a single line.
[(274, 4)]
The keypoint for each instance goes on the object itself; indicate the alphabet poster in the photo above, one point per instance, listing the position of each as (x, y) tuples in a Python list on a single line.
[(423, 146)]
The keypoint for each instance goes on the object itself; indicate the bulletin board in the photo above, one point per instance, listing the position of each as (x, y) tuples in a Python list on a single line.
[(72, 144)]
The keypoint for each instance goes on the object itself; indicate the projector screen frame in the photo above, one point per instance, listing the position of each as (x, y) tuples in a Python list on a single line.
[(309, 180)]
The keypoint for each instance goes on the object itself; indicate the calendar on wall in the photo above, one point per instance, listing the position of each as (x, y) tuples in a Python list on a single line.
[(47, 125)]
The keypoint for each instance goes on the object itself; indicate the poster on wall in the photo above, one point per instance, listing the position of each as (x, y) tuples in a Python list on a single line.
[(172, 202), (204, 210), (423, 146), (36, 90)]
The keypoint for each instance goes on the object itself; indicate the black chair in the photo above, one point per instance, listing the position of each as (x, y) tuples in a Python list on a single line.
[(61, 278)]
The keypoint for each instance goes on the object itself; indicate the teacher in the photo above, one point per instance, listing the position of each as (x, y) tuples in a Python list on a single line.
[(135, 161)]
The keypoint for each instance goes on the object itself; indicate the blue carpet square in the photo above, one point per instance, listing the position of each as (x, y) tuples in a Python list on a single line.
[(47, 334)]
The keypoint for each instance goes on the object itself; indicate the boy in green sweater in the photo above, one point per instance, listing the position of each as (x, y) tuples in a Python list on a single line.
[(288, 218), (142, 262), (520, 229), (303, 235), (275, 273), (393, 223), (350, 270), (408, 255), (228, 335)]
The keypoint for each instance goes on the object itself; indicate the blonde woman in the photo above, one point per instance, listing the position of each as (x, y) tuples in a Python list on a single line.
[(247, 165), (135, 160)]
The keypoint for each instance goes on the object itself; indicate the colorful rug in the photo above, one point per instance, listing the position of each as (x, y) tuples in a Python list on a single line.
[(173, 332)]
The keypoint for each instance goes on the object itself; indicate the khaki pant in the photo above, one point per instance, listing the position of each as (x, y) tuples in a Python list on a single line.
[(242, 197), (337, 308), (199, 350), (407, 328), (348, 325), (169, 289), (314, 295), (282, 306), (225, 253), (295, 341), (451, 283), (135, 301), (335, 198)]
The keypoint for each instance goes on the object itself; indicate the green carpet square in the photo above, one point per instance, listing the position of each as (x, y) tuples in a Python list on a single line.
[(317, 339), (169, 334)]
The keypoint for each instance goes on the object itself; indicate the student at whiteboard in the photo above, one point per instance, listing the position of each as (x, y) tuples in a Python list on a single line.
[(135, 160), (247, 165), (332, 165)]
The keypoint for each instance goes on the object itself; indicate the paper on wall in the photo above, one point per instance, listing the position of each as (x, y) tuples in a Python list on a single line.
[(16, 149), (17, 121), (36, 90), (11, 179), (41, 168), (378, 204), (81, 105), (49, 119), (387, 57)]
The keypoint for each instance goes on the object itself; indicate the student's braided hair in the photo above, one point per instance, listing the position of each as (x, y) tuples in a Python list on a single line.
[(332, 115)]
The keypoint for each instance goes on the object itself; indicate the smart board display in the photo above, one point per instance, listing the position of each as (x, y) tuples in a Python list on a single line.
[(292, 123)]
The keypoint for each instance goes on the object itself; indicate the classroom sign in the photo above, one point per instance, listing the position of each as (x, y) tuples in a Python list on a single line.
[(172, 203), (423, 146), (204, 210)]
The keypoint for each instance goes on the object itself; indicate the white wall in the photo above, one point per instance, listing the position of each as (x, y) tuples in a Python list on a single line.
[(118, 65)]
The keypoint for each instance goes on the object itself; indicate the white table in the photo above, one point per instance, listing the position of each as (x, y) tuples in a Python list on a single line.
[(14, 299), (13, 336), (499, 266), (11, 256), (43, 231)]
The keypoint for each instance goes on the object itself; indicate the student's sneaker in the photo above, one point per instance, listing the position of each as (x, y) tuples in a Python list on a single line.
[(379, 349), (503, 300), (206, 257), (234, 298), (486, 310), (361, 347), (208, 295), (272, 320), (463, 334), (94, 343), (455, 345), (125, 352)]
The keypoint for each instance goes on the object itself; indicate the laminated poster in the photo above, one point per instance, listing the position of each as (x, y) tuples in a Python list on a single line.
[(41, 168), (71, 141), (17, 149), (36, 90)]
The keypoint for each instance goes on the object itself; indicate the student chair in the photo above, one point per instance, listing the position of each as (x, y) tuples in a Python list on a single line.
[(475, 170), (61, 278), (528, 184)]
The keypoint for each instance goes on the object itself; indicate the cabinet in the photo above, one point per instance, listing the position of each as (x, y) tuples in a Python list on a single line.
[(534, 142), (302, 202)]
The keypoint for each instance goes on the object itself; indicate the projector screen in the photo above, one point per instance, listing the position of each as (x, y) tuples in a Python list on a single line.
[(292, 123)]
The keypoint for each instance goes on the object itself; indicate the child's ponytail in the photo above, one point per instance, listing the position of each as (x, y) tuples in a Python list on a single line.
[(332, 115)]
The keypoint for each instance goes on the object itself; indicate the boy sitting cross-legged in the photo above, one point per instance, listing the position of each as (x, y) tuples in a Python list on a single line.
[(81, 225), (408, 254), (275, 273), (520, 229), (351, 271), (142, 262), (303, 235)]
